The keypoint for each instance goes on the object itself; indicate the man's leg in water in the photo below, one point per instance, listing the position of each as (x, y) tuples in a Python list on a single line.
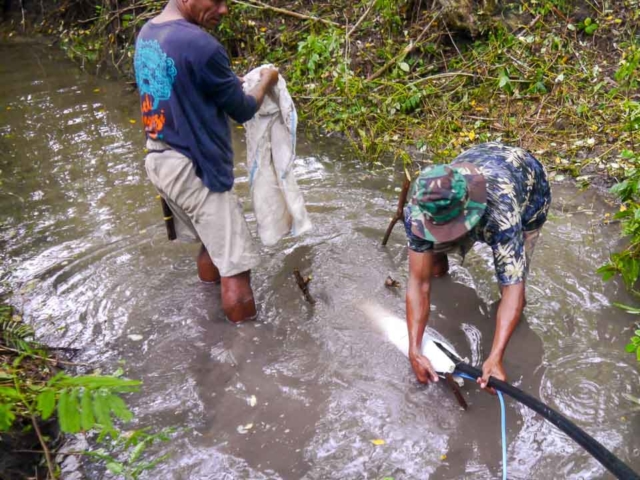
[(238, 303), (440, 265), (207, 271)]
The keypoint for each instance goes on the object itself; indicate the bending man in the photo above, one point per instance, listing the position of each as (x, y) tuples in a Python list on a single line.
[(491, 193)]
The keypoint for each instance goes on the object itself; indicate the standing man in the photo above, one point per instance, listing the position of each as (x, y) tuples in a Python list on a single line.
[(187, 93), (491, 193)]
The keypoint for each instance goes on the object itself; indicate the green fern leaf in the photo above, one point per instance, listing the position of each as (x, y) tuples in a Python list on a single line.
[(6, 416), (137, 452), (91, 381), (119, 408), (9, 392), (102, 411), (13, 333), (46, 403), (63, 406), (115, 467), (88, 420), (69, 411)]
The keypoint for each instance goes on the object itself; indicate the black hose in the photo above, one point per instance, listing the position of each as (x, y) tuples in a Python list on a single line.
[(612, 463)]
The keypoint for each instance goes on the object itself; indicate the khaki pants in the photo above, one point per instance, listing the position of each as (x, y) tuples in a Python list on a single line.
[(214, 219)]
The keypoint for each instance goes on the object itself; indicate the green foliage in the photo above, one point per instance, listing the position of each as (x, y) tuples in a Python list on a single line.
[(634, 345), (83, 403), (316, 52), (588, 26), (627, 262), (29, 392), (389, 10), (135, 443), (13, 332)]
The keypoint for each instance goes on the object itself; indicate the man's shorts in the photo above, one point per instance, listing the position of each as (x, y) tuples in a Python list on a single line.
[(214, 219)]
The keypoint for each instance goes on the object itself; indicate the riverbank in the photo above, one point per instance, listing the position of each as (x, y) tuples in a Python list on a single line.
[(401, 80), (91, 268)]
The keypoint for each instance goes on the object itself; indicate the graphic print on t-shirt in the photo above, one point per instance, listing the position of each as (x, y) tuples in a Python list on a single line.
[(155, 74)]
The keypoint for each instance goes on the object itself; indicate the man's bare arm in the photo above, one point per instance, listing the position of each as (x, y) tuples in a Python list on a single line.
[(418, 304)]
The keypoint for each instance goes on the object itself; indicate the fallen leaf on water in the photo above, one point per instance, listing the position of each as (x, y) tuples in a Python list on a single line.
[(242, 429), (390, 282), (132, 121), (96, 90), (378, 441), (443, 457)]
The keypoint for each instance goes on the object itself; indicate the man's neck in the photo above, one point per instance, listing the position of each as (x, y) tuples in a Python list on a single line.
[(170, 12)]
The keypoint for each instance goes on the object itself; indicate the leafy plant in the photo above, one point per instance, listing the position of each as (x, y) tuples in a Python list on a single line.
[(31, 393), (13, 333), (315, 52), (634, 345), (627, 262), (130, 464)]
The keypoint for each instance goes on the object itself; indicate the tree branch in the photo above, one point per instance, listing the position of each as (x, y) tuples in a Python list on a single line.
[(364, 15), (405, 51), (263, 6), (402, 200), (45, 449)]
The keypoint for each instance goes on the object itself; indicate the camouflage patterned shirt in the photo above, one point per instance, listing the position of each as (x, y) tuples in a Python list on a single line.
[(518, 199)]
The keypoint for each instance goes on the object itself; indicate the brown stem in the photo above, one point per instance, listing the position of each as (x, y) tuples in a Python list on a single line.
[(52, 360), (283, 11), (402, 200), (364, 15), (45, 449), (405, 51)]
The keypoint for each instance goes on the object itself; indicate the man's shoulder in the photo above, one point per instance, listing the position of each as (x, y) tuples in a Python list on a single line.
[(183, 35)]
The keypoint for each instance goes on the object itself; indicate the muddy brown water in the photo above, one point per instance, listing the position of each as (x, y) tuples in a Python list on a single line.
[(85, 255)]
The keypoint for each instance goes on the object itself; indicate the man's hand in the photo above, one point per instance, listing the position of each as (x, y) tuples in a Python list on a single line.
[(269, 76), (492, 367), (422, 368)]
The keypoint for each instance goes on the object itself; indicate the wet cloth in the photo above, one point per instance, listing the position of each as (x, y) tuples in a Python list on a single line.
[(271, 151), (213, 218), (187, 94), (518, 199)]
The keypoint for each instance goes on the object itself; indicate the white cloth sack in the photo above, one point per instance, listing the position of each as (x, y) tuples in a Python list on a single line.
[(271, 150)]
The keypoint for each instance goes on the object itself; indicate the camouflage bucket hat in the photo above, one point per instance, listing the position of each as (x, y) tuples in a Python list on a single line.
[(446, 202)]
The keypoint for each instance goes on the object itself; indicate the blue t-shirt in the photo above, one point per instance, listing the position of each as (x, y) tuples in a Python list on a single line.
[(187, 92)]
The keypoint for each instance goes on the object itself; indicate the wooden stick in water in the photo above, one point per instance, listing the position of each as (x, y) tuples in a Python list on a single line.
[(303, 283), (399, 212)]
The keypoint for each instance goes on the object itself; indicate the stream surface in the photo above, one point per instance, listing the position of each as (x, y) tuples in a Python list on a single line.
[(85, 254)]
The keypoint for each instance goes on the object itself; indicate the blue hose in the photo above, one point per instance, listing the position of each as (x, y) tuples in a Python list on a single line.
[(503, 421)]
